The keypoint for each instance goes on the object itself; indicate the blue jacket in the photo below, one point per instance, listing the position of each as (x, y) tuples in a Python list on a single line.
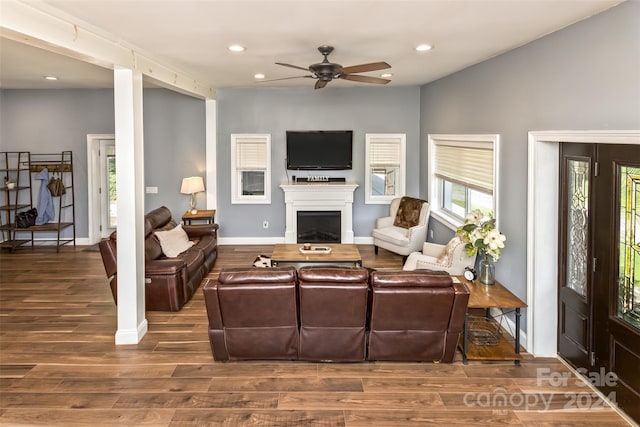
[(46, 212)]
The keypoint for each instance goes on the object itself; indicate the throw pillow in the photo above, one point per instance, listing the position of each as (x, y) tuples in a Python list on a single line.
[(408, 213), (174, 241), (447, 253)]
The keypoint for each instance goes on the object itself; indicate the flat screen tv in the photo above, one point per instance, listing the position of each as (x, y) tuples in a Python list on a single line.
[(319, 150)]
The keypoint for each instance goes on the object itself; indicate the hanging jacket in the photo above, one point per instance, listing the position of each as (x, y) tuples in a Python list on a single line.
[(46, 212)]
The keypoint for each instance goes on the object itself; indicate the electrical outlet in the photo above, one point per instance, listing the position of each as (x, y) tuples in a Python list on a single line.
[(265, 224), (431, 233)]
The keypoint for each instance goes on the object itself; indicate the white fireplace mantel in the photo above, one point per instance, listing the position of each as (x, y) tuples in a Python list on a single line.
[(314, 196)]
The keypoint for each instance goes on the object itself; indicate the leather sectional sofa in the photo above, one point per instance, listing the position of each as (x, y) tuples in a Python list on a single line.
[(323, 313), (169, 282)]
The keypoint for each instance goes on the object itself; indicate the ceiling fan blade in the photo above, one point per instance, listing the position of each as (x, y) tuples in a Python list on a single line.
[(292, 66), (365, 79), (285, 78), (363, 68), (320, 84)]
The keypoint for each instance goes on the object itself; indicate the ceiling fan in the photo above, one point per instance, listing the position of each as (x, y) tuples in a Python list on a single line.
[(326, 71)]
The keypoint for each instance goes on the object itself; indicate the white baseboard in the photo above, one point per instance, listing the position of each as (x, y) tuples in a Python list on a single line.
[(363, 240), (250, 240), (131, 336)]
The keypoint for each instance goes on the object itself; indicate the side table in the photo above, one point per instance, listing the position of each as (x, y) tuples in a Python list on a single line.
[(487, 297), (202, 215)]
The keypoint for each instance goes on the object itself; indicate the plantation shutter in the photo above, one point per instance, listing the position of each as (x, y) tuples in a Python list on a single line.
[(384, 151), (251, 154), (462, 162)]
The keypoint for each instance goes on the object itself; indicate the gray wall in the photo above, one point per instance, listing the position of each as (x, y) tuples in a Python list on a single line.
[(49, 121), (586, 76), (174, 148), (274, 111)]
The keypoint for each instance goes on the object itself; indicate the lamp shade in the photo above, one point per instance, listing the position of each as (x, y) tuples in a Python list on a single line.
[(192, 185)]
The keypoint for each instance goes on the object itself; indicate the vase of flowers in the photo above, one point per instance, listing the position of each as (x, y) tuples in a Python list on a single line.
[(480, 234)]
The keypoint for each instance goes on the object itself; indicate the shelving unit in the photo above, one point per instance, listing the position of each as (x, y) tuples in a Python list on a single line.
[(23, 165), (14, 168)]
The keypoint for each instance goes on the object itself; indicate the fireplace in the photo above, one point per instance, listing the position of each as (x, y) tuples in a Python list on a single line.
[(318, 227), (319, 197)]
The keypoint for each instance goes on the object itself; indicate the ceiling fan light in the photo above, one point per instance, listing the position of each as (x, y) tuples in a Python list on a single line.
[(50, 77), (236, 48), (386, 75), (424, 47), (258, 76)]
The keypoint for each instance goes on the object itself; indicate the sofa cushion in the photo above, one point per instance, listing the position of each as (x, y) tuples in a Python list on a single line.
[(157, 218), (174, 241), (395, 235), (206, 243)]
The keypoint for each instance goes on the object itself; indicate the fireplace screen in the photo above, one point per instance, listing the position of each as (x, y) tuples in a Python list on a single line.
[(319, 227)]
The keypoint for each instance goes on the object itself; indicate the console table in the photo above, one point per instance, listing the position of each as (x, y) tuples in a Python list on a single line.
[(487, 297)]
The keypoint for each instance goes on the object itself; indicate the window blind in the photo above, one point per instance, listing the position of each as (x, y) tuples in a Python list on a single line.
[(251, 154), (465, 163), (384, 152)]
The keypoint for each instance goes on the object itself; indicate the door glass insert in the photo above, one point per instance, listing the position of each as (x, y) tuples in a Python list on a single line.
[(629, 255), (578, 173)]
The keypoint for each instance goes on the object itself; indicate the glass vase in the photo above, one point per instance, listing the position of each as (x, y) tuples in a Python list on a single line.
[(486, 270)]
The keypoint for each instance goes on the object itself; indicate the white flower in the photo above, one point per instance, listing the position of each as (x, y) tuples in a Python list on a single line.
[(494, 240), (481, 236), (474, 217)]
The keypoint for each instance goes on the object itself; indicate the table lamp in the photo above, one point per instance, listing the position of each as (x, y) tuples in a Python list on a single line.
[(192, 185)]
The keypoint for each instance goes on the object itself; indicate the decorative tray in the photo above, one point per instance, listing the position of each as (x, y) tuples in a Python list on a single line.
[(316, 250)]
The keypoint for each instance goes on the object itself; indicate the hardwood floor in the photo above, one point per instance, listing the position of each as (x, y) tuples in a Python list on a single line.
[(59, 366)]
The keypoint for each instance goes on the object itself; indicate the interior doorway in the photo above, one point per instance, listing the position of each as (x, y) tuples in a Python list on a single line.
[(108, 196), (101, 186)]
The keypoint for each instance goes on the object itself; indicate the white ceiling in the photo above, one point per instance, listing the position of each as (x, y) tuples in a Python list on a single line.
[(193, 36)]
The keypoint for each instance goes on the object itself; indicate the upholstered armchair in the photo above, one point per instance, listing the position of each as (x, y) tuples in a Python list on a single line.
[(451, 258), (405, 229)]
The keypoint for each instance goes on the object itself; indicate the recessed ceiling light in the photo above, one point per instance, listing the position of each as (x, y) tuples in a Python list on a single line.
[(236, 48), (259, 76), (424, 47), (50, 78), (386, 75)]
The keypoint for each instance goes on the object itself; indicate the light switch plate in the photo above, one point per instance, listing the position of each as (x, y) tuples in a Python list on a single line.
[(152, 190)]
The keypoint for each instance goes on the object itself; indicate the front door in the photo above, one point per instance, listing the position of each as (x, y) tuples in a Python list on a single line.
[(617, 273), (599, 267), (575, 325)]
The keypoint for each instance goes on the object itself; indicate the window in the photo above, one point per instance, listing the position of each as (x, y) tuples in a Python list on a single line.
[(463, 176), (385, 168), (251, 168)]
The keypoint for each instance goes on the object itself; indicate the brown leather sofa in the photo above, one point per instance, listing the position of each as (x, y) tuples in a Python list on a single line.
[(169, 282), (253, 313), (416, 315), (334, 314)]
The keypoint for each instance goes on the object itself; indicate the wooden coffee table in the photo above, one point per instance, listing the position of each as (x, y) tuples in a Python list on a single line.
[(289, 254)]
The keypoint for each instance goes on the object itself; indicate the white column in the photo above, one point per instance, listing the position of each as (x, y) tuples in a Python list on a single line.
[(211, 129), (132, 324)]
